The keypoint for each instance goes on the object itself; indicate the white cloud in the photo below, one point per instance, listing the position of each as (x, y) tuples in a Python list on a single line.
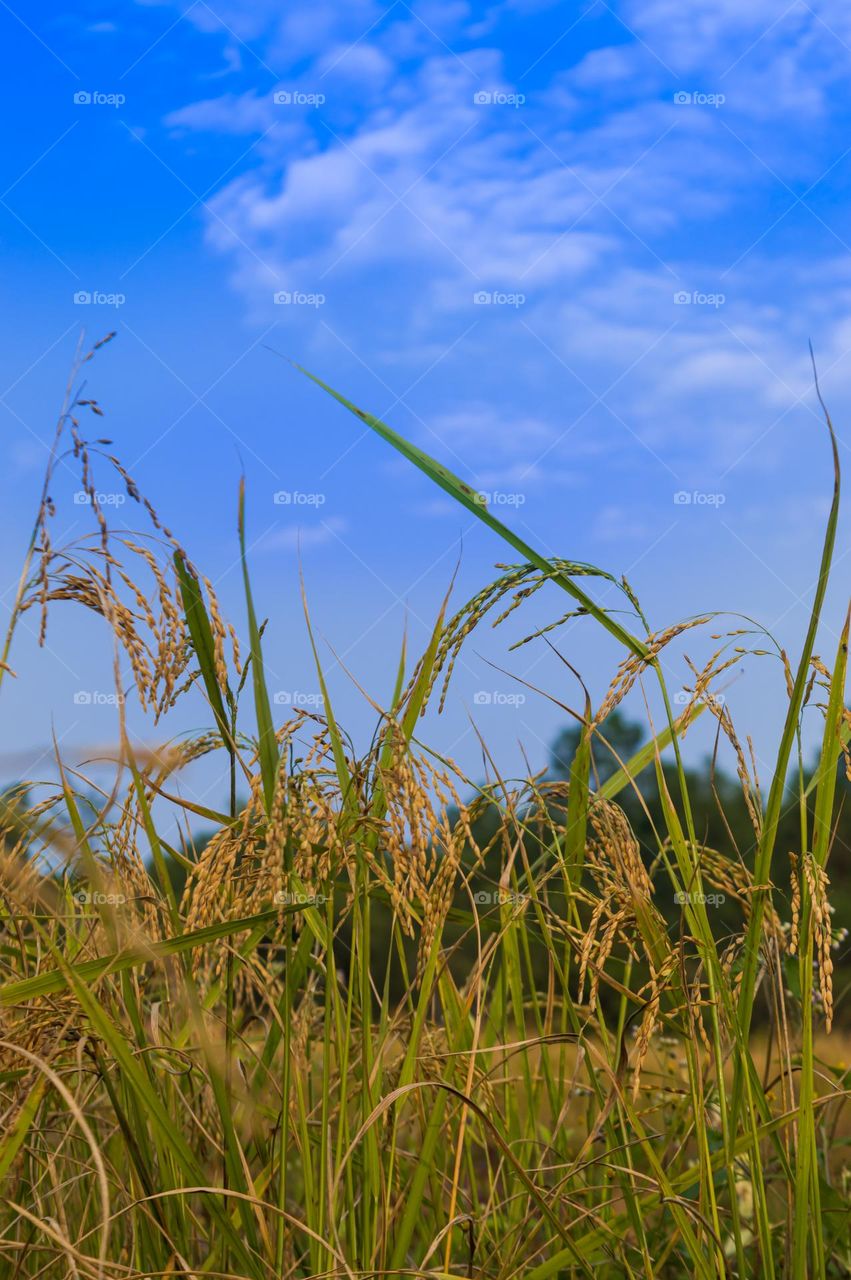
[(621, 524), (302, 537), (597, 199), (230, 113), (362, 64), (498, 447)]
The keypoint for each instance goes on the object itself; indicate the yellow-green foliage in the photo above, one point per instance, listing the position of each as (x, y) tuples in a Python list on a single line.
[(381, 1022)]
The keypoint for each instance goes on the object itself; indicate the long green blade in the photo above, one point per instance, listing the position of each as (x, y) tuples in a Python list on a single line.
[(469, 498), (267, 743), (89, 970)]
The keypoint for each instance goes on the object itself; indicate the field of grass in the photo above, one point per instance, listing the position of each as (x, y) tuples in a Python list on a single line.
[(381, 1021)]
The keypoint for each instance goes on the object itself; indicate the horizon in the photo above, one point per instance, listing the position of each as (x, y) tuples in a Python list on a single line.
[(578, 261)]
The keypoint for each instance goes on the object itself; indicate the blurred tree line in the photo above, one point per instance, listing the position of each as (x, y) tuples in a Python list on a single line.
[(721, 822)]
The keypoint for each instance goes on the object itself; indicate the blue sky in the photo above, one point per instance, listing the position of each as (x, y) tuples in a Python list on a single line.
[(653, 201)]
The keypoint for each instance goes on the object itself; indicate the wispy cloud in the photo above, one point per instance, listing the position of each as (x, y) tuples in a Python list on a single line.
[(294, 537), (588, 197)]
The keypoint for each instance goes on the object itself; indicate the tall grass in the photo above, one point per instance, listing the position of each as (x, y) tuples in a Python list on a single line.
[(386, 1021)]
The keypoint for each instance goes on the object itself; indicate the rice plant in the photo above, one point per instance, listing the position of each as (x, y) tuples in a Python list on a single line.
[(373, 1017)]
